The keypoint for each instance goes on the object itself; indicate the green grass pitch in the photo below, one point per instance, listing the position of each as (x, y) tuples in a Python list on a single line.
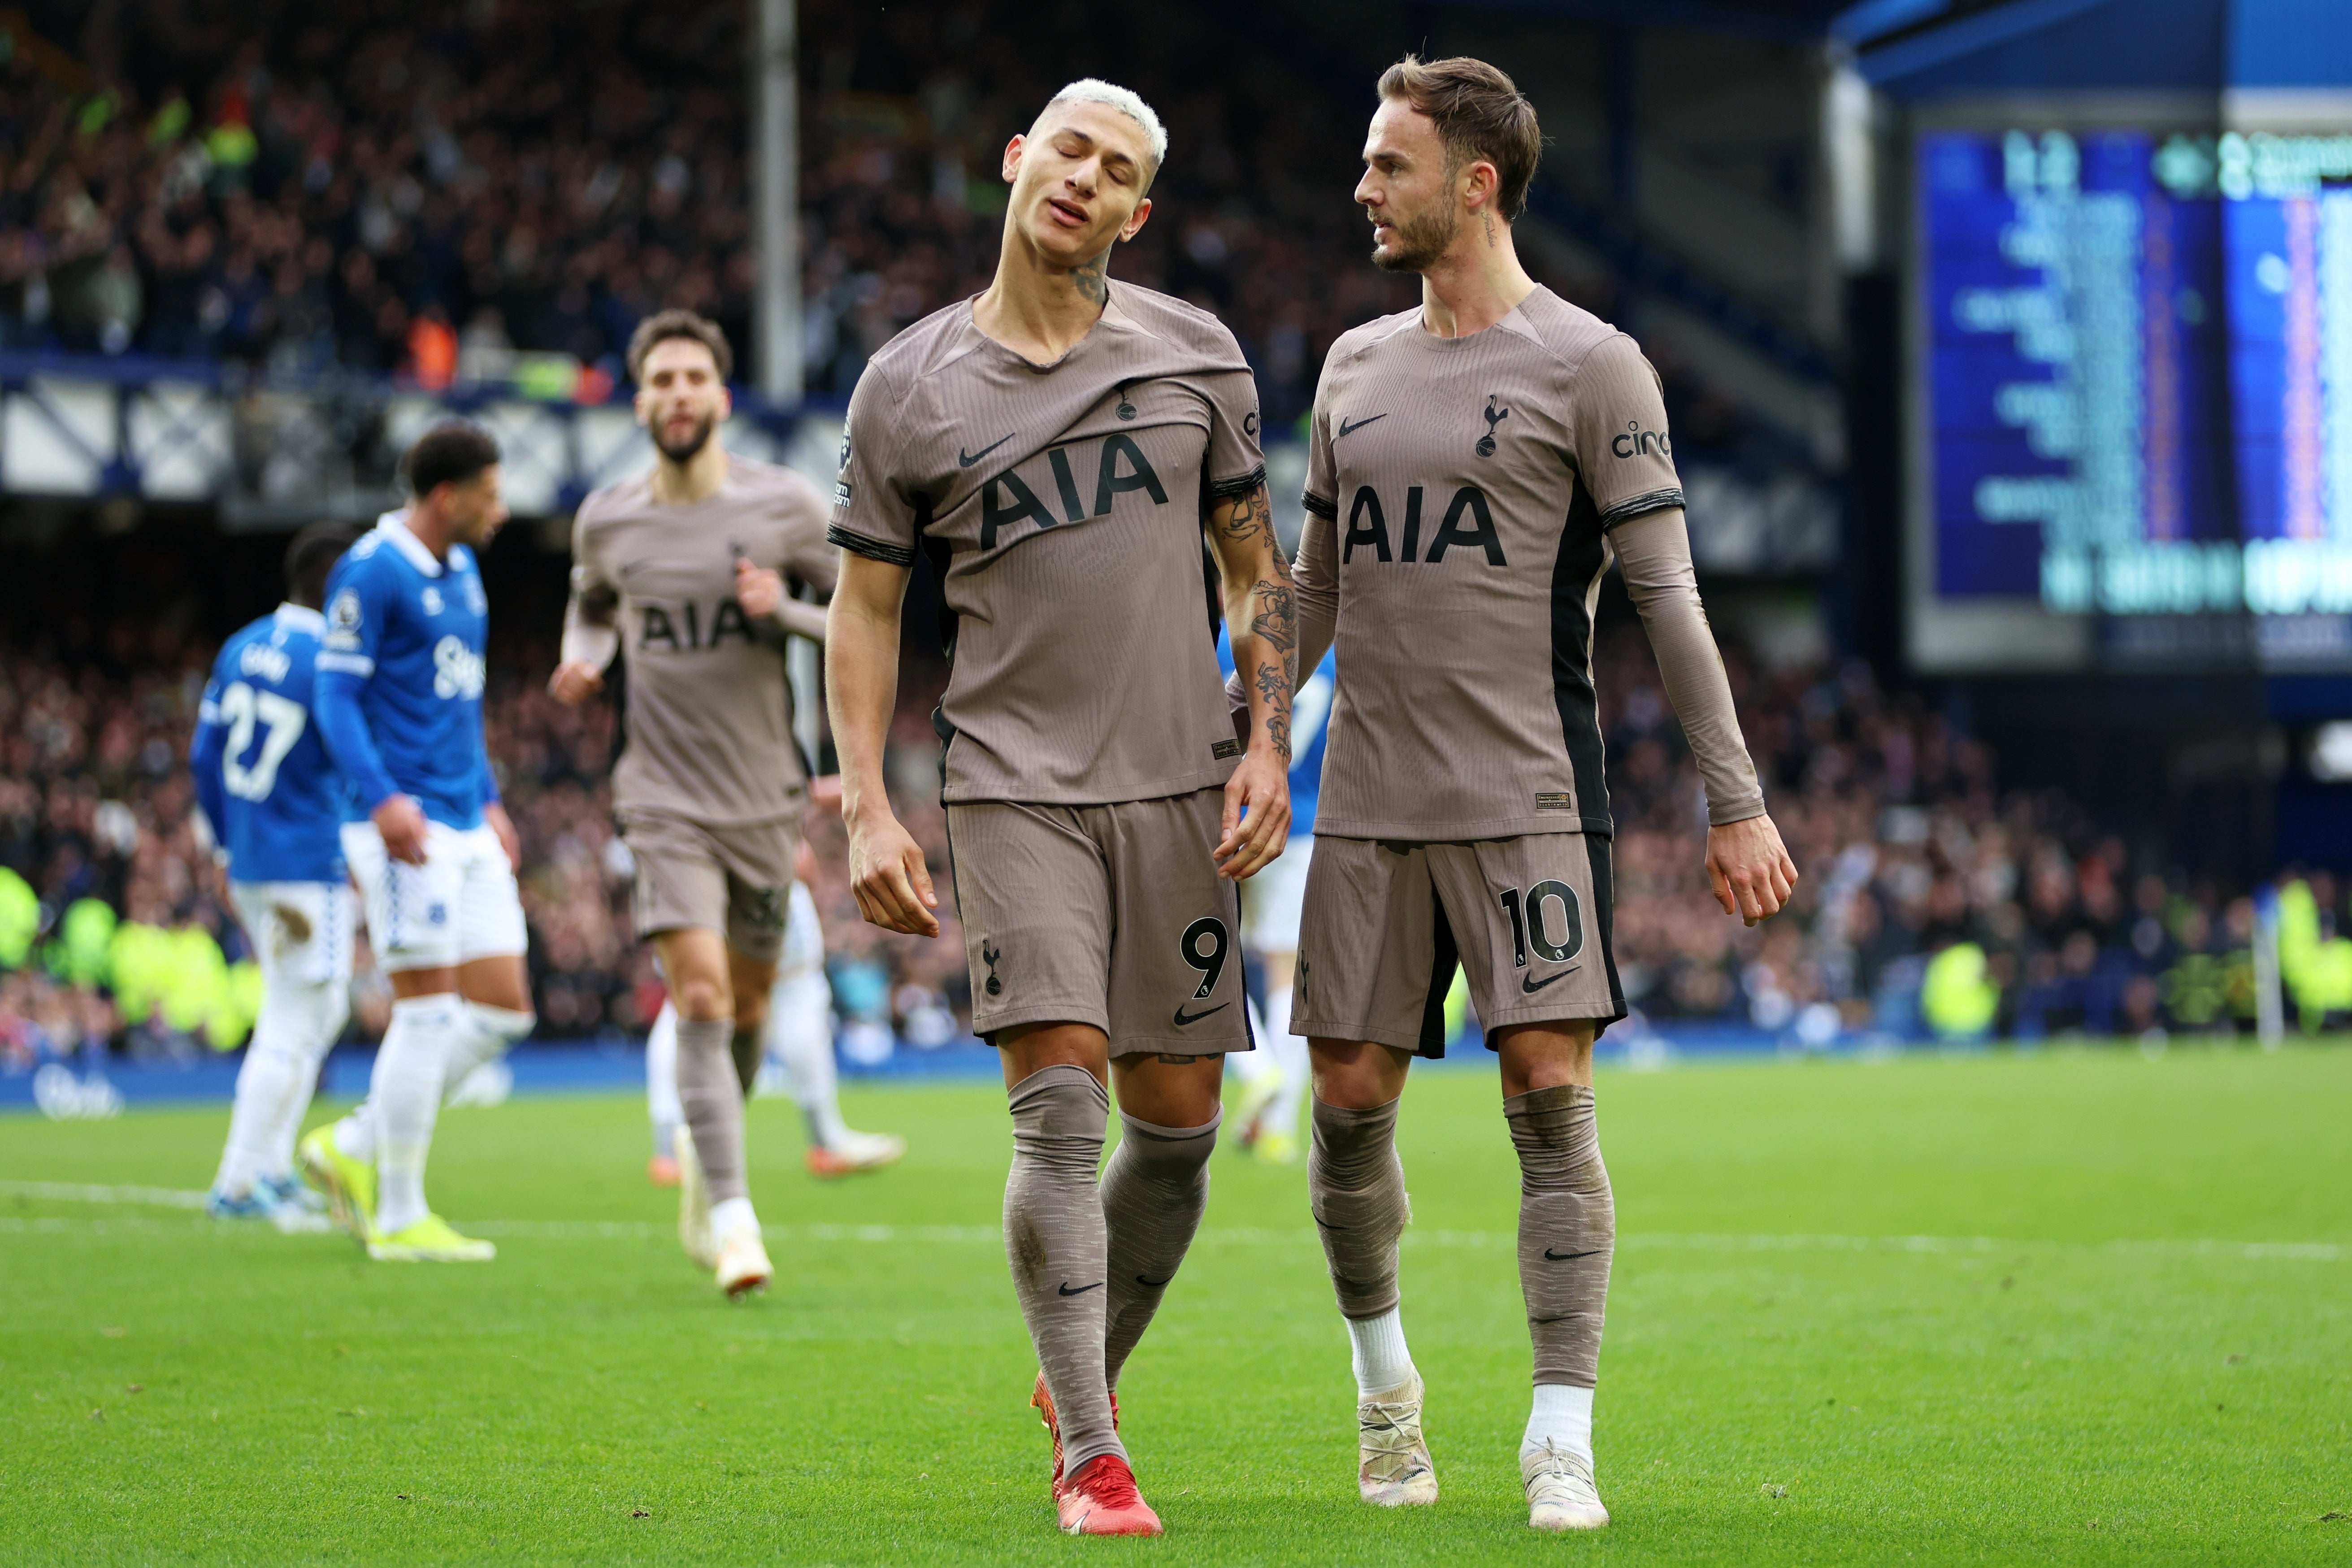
[(1814, 1355)]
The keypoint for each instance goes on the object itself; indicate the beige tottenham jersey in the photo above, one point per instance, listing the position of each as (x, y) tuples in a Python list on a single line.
[(709, 709), (1061, 506), (1460, 493)]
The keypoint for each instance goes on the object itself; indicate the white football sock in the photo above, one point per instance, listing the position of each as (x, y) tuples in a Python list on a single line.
[(1378, 1354), (1289, 1053), (406, 1094), (487, 1034), (1562, 1416), (356, 1133), (317, 1014), (280, 1163), (661, 1080), (800, 1033), (263, 1084), (731, 1217)]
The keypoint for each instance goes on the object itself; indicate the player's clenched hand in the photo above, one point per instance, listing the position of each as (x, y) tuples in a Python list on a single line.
[(400, 821), (888, 874), (1749, 868), (574, 682), (1257, 817), (503, 826), (761, 593)]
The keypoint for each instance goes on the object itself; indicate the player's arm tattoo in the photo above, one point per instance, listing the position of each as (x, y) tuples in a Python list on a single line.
[(1242, 526), (1252, 517), (1091, 278), (1173, 1060)]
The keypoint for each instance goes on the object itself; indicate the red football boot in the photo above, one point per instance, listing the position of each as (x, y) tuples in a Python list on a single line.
[(1041, 1401), (1101, 1499)]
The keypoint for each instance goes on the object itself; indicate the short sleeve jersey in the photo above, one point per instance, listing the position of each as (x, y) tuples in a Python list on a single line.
[(1460, 492), (278, 792), (711, 708), (1060, 506), (406, 636)]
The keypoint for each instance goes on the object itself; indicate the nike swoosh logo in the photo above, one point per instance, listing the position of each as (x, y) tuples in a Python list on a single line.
[(1182, 1017), (1530, 984), (1081, 1289), (1151, 1284), (1348, 429), (1564, 1257), (969, 459)]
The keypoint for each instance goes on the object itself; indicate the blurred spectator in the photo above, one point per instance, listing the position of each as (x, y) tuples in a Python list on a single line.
[(431, 189)]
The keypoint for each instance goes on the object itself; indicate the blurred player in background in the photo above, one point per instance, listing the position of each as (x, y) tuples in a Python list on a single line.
[(1473, 465), (400, 704), (269, 793), (1274, 1077), (1058, 445), (682, 571), (800, 1041)]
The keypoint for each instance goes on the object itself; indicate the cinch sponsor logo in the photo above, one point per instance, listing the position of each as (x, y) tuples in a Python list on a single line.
[(1120, 467), (1633, 441), (1467, 522)]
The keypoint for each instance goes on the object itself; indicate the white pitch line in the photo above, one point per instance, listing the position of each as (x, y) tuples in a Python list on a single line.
[(75, 1192), (1241, 1236)]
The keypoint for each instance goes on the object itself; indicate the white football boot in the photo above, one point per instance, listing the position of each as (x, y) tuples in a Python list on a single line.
[(854, 1151), (1561, 1491), (743, 1266), (1393, 1468)]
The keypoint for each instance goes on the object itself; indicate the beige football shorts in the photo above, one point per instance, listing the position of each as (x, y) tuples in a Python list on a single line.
[(1385, 923), (1110, 915), (736, 880)]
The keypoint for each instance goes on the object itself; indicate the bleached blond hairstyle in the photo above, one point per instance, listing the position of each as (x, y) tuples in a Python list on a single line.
[(1092, 89)]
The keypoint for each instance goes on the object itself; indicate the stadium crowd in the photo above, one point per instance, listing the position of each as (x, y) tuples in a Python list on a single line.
[(1932, 902), (426, 190), (430, 190)]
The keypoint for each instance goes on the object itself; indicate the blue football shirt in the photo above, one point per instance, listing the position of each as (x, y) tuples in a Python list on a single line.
[(261, 768), (401, 675)]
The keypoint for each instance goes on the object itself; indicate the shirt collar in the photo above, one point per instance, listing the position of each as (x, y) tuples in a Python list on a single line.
[(393, 526), (300, 618)]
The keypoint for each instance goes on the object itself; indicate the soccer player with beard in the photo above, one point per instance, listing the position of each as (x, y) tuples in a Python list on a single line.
[(683, 570), (1474, 464), (1056, 445)]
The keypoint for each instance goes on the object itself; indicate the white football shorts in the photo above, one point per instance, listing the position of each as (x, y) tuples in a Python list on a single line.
[(462, 904), (301, 931)]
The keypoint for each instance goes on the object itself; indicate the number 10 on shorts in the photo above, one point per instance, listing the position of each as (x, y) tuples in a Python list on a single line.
[(1533, 924)]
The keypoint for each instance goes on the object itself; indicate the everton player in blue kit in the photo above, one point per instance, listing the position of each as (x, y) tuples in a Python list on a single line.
[(400, 702), (269, 793)]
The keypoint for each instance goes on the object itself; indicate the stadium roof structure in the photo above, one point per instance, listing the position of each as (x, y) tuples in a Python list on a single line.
[(1917, 48), (1792, 21)]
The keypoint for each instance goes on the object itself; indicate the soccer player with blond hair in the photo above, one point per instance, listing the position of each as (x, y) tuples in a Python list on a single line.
[(1058, 446)]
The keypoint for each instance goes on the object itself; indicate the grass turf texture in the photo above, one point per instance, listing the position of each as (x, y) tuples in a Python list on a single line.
[(2048, 1395)]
